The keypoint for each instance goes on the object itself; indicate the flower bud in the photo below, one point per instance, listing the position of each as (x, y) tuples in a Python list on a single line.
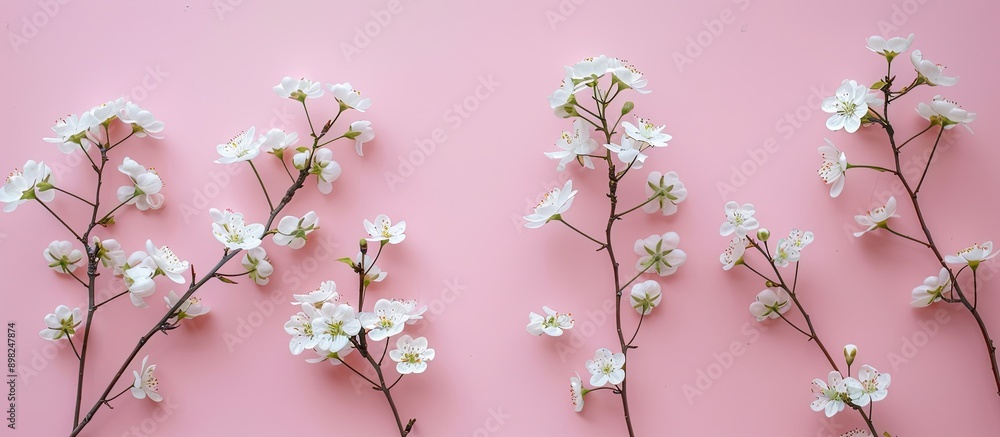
[(364, 246), (850, 351), (763, 234), (627, 107)]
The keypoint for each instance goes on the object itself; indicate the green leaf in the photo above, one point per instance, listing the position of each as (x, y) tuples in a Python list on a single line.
[(225, 279), (878, 85), (110, 220)]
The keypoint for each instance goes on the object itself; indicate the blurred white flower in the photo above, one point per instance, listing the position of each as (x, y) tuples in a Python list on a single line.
[(739, 219), (932, 290), (645, 296), (35, 182), (62, 256), (833, 168), (191, 308), (383, 231), (552, 323), (929, 72), (293, 231), (142, 121), (771, 303), (298, 89), (411, 355), (877, 218), (61, 323), (575, 145), (552, 205), (146, 384)]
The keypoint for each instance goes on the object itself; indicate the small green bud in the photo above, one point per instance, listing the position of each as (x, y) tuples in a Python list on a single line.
[(627, 107), (850, 351), (763, 234)]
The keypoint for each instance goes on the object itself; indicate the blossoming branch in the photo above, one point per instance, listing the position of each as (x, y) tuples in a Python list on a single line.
[(855, 106), (657, 254)]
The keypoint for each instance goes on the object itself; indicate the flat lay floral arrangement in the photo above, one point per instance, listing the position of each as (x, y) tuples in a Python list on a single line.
[(597, 279)]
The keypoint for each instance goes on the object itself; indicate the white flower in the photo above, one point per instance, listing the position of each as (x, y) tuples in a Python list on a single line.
[(590, 69), (106, 112), (669, 191), (334, 326), (62, 323), (659, 253), (800, 239), (326, 170), (869, 387), (293, 231), (361, 132), (576, 392), (645, 296), (830, 397), (734, 253), (411, 355), (374, 273), (833, 168), (874, 99), (384, 231), (877, 218), (190, 309), (929, 72), (739, 219), (606, 368), (230, 230), (349, 97), (890, 48), (771, 303), (848, 106), (790, 249), (973, 255), (646, 132), (258, 266), (275, 141), (326, 292), (62, 257), (301, 159), (139, 281), (300, 327), (71, 132), (629, 152), (388, 319), (145, 383), (575, 145), (142, 121), (109, 252), (565, 94), (933, 288), (35, 182), (144, 192), (243, 147), (945, 113), (552, 324), (298, 89), (412, 312), (552, 205), (166, 262), (335, 358), (629, 77)]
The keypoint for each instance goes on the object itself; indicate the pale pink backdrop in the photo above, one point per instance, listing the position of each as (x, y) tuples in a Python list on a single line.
[(206, 69)]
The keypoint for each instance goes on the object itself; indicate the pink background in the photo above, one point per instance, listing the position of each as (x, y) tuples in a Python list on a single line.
[(749, 83)]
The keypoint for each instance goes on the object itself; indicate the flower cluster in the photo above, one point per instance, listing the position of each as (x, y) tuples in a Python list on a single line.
[(838, 392), (333, 328)]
